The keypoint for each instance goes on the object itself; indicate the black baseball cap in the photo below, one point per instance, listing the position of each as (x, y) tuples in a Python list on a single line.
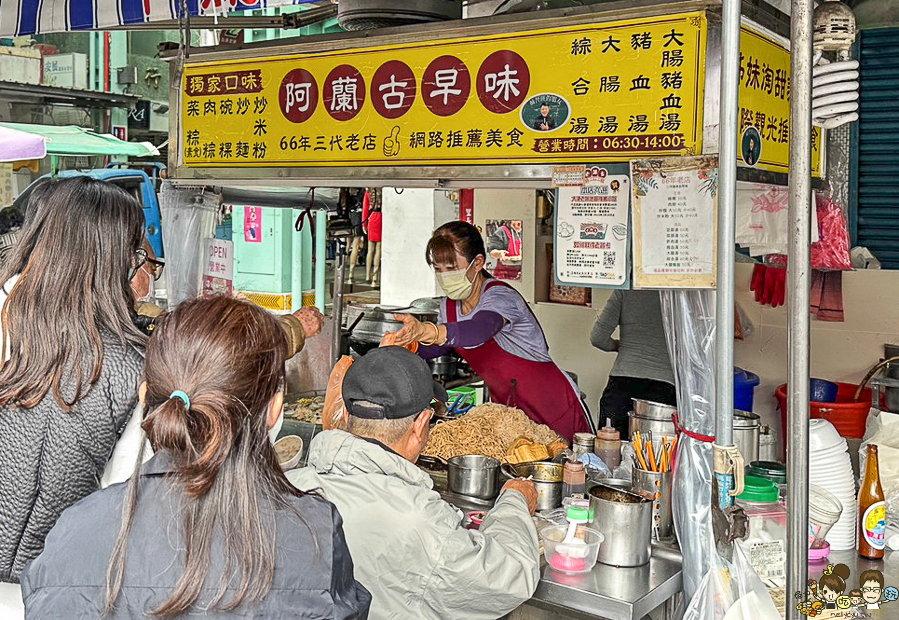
[(390, 383)]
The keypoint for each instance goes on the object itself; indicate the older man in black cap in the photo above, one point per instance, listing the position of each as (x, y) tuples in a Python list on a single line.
[(408, 545)]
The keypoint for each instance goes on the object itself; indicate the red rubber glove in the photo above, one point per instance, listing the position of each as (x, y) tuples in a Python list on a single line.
[(780, 286), (768, 293), (757, 284)]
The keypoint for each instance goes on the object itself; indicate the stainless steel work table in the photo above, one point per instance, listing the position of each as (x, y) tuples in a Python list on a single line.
[(889, 566), (606, 592)]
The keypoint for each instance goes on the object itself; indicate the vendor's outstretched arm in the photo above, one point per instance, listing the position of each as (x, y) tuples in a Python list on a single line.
[(477, 330)]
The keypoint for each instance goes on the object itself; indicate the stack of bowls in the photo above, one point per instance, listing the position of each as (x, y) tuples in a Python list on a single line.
[(831, 469)]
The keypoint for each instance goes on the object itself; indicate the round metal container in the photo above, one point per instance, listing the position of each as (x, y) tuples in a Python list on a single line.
[(648, 417), (625, 519), (654, 411), (473, 476), (658, 486), (547, 478), (378, 321), (746, 435)]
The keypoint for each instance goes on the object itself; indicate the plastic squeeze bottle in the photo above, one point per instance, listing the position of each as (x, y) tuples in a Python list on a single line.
[(872, 511), (607, 445)]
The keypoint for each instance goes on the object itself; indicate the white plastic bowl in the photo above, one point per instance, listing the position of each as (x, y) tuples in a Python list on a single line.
[(822, 435), (287, 461)]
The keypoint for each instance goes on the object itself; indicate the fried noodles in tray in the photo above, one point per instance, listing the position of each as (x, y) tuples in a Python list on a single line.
[(489, 430)]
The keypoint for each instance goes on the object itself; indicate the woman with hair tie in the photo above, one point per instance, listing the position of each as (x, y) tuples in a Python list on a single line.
[(210, 525), (492, 327)]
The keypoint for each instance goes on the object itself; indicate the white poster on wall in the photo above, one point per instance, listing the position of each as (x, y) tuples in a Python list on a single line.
[(675, 209), (592, 231)]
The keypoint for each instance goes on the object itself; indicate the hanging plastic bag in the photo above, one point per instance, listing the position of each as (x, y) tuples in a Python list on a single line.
[(332, 411), (731, 591)]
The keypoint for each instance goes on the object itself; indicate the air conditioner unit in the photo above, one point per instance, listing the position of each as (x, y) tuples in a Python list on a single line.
[(126, 75)]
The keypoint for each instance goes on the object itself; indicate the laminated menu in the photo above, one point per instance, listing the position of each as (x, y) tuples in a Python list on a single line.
[(675, 222)]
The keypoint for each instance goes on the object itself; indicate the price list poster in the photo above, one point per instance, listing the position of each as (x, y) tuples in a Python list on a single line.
[(675, 207)]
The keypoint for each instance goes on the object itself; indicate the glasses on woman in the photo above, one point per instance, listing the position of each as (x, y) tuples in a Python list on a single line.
[(143, 258)]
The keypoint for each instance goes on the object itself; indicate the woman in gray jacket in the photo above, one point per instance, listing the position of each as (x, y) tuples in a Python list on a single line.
[(210, 525)]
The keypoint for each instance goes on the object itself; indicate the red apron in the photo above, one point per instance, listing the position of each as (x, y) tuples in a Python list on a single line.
[(512, 271), (540, 389)]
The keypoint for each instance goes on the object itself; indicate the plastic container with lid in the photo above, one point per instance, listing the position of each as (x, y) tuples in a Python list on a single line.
[(766, 542), (773, 471), (582, 444), (574, 479), (607, 445)]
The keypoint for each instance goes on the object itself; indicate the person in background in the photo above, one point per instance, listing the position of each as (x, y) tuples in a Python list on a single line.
[(410, 549), (642, 368), (210, 525), (493, 328), (148, 272)]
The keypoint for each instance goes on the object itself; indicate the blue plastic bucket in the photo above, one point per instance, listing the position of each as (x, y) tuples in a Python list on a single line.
[(744, 388)]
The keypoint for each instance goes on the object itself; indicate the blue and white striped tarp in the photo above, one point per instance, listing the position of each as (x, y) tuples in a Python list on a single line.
[(27, 17)]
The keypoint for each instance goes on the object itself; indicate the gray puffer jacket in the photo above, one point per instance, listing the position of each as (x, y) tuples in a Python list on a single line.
[(50, 459)]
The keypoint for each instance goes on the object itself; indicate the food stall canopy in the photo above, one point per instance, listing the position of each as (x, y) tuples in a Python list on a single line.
[(74, 140), (18, 145), (28, 17)]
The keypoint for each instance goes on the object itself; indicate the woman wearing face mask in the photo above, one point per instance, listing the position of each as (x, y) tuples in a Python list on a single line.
[(491, 326)]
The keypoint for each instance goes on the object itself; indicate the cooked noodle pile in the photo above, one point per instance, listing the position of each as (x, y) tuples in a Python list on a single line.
[(488, 429)]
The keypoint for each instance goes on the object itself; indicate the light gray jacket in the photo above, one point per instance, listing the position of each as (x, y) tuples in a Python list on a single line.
[(408, 546)]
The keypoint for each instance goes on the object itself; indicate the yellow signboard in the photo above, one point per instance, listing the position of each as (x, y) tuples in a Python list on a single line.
[(604, 91), (764, 139)]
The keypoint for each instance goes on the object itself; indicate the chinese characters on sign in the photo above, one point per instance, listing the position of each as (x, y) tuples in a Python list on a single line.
[(592, 231), (218, 271), (613, 89), (675, 209), (764, 127)]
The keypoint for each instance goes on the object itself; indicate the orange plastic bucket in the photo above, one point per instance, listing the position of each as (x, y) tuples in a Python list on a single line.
[(848, 416)]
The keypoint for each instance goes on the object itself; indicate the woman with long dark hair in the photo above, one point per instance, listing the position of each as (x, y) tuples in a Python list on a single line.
[(71, 360), (210, 524), (492, 327)]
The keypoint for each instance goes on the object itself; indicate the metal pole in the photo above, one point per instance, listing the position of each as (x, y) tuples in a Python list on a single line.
[(798, 284), (337, 309), (727, 203)]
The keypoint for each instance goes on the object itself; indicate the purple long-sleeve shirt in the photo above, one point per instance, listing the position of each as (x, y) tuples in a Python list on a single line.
[(481, 327)]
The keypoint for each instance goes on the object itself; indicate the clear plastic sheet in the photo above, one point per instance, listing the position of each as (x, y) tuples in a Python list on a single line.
[(831, 251), (689, 317), (731, 590), (188, 219)]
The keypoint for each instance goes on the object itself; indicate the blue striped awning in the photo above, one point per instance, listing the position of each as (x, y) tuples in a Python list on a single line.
[(27, 17)]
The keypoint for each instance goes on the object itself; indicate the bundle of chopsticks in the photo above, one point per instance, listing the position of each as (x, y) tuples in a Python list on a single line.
[(645, 457)]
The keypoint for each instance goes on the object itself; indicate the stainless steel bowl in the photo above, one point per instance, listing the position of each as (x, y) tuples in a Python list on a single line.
[(473, 476)]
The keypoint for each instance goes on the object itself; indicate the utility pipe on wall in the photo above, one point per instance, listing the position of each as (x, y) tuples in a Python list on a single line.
[(798, 284), (727, 201)]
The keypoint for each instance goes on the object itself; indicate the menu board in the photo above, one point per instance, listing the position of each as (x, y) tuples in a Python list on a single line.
[(592, 230), (675, 222)]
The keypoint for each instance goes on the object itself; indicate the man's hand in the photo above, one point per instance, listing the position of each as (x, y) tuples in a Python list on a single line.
[(312, 320), (499, 254), (526, 488)]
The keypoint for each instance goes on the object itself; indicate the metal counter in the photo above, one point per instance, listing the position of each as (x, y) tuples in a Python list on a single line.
[(606, 592), (889, 566)]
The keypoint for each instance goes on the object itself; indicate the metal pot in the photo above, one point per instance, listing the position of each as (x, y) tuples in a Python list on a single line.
[(746, 434), (649, 417), (473, 476), (625, 519), (443, 366), (547, 479)]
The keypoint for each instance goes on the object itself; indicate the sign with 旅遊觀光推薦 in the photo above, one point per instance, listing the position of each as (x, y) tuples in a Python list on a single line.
[(763, 139), (611, 91)]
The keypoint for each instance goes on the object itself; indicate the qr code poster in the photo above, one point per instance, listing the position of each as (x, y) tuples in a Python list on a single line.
[(592, 232), (504, 249)]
